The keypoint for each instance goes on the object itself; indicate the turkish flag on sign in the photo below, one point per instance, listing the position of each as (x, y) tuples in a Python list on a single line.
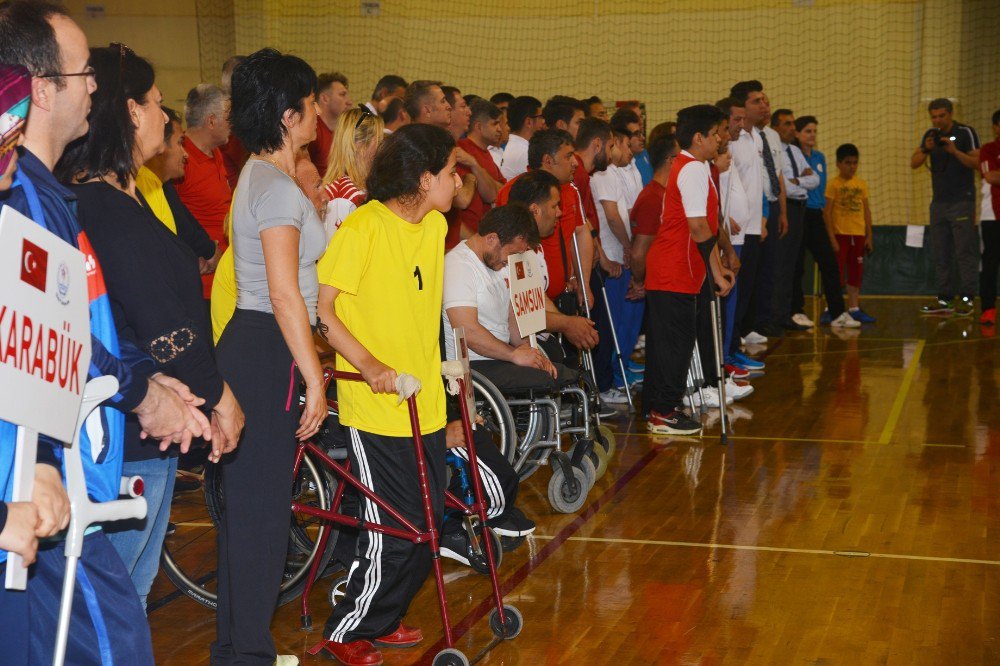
[(34, 265)]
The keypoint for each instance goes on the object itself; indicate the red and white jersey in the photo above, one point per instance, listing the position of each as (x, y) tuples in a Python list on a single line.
[(344, 198)]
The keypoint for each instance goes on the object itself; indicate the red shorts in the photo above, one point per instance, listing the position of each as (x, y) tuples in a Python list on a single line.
[(851, 259)]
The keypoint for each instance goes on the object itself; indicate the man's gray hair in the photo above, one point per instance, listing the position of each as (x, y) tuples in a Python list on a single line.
[(202, 101)]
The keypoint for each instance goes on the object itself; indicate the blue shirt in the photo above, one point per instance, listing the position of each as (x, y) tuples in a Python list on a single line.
[(816, 197), (645, 168)]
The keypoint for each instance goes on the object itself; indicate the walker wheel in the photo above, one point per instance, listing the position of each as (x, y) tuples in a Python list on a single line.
[(566, 495), (338, 588), (478, 561), (607, 438), (510, 629), (450, 657)]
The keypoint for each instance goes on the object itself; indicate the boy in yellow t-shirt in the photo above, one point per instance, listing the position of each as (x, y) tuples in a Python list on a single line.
[(848, 221)]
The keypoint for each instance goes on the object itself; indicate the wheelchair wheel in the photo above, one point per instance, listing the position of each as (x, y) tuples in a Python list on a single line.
[(499, 422), (533, 424), (589, 471), (607, 438), (567, 495), (338, 589), (189, 555), (602, 460)]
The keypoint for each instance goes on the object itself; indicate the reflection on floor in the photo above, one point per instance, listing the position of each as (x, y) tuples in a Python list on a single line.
[(853, 518)]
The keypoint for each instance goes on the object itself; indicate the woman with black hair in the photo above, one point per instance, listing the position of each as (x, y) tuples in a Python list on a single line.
[(267, 347), (380, 308), (152, 279)]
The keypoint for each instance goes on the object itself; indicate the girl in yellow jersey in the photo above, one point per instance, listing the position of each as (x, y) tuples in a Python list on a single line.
[(380, 308)]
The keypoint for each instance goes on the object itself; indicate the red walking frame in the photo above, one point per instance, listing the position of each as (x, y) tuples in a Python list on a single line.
[(505, 621)]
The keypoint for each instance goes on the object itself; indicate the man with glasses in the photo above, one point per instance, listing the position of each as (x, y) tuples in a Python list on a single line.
[(524, 115)]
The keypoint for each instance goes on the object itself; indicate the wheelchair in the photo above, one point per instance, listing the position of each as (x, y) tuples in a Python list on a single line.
[(528, 418)]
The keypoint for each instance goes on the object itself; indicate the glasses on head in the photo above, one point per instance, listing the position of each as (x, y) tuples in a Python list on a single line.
[(365, 113)]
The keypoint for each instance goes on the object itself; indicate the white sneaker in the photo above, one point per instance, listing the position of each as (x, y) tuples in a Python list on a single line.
[(845, 320), (615, 396), (286, 660), (802, 320), (755, 338), (640, 343), (737, 392), (711, 398)]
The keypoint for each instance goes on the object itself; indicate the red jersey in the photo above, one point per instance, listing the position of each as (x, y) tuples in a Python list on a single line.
[(469, 218), (989, 160), (551, 247), (648, 210), (234, 155), (319, 150), (582, 181), (674, 263), (205, 192)]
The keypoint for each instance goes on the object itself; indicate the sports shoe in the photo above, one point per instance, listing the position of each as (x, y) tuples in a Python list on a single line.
[(615, 396), (825, 318), (737, 390), (286, 660), (513, 523), (604, 410), (791, 325), (403, 637), (938, 307), (736, 371), (802, 320), (754, 338), (674, 423), (963, 307), (989, 317), (845, 320), (711, 395), (640, 343), (355, 653), (747, 362), (860, 315)]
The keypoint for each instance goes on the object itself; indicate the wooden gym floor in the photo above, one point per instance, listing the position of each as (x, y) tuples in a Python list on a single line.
[(853, 518)]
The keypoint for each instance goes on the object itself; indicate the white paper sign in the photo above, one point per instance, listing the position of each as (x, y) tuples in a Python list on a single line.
[(44, 328), (462, 354), (914, 235), (527, 293)]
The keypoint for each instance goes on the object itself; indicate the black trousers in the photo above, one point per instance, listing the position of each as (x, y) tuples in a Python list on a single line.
[(706, 342), (789, 251), (763, 312), (500, 481), (257, 487), (388, 572), (817, 241), (746, 298), (669, 345), (991, 262), (511, 378)]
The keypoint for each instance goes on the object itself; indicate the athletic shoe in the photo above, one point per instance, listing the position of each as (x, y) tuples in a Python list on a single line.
[(355, 653), (802, 320), (737, 390), (286, 660), (674, 423), (860, 315), (735, 371), (403, 637), (455, 546), (171, 529), (938, 307), (513, 523), (711, 395), (825, 318), (640, 343), (963, 307), (845, 320), (604, 410), (754, 338), (615, 396), (791, 325), (747, 362), (989, 317)]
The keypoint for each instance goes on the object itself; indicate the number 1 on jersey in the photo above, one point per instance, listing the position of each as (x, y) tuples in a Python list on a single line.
[(420, 278)]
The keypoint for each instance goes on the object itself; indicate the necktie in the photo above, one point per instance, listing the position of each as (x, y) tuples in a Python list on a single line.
[(791, 158), (772, 175)]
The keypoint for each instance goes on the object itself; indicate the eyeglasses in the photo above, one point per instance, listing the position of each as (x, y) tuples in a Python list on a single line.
[(88, 71), (365, 113)]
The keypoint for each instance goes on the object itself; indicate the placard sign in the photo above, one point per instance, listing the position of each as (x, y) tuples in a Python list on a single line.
[(527, 293), (44, 328), (462, 354)]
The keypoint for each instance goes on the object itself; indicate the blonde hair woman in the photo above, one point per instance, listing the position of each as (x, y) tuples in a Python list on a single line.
[(356, 138)]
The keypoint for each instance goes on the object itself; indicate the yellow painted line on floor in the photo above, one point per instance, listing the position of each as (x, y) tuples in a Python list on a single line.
[(947, 446), (773, 549), (904, 389), (834, 351)]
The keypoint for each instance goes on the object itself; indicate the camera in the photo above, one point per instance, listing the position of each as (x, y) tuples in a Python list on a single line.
[(939, 139)]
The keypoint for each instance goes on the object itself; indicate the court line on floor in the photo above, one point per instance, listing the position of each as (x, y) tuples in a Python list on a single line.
[(904, 390), (774, 549), (682, 438), (554, 542)]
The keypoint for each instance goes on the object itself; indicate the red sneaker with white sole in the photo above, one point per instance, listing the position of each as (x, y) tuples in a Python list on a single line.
[(403, 637), (355, 653)]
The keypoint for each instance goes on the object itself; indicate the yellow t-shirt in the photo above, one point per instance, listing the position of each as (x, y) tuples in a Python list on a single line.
[(390, 273), (848, 211), (223, 303), (151, 187)]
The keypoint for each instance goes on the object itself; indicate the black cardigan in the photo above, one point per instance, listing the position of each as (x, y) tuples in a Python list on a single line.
[(155, 291)]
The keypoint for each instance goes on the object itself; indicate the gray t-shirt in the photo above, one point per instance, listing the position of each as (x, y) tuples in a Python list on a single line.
[(266, 197)]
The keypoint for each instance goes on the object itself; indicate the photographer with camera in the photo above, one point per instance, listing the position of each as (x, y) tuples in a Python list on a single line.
[(953, 149)]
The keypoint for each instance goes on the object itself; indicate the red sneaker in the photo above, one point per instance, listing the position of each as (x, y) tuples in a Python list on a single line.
[(737, 371), (989, 317), (355, 653), (403, 637)]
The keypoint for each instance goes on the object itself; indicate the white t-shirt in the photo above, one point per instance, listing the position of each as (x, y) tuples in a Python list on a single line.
[(468, 282), (986, 203), (693, 182), (734, 204), (609, 185), (496, 152), (515, 157), (747, 160), (632, 180)]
